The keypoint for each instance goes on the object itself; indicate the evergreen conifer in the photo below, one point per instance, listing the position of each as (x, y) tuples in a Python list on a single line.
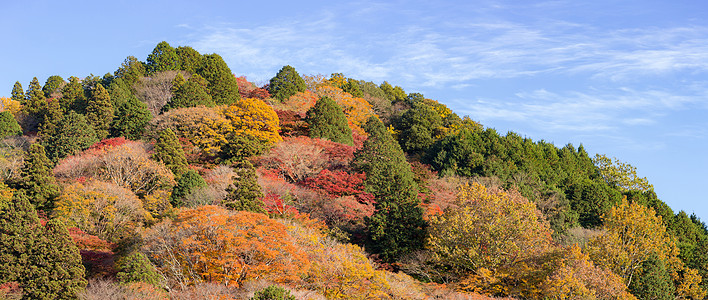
[(327, 121), (286, 83)]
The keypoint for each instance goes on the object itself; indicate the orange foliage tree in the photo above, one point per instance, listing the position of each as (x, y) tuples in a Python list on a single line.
[(213, 244)]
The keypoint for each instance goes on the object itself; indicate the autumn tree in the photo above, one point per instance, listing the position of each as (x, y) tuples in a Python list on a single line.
[(18, 94), (99, 112), (9, 125), (286, 83), (156, 90), (169, 151), (53, 85), (187, 183), (213, 244), (632, 235), (397, 227), (73, 135), (491, 230), (222, 87), (163, 58), (327, 121), (245, 194), (36, 178)]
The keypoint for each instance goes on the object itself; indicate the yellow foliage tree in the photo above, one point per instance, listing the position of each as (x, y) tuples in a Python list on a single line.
[(632, 234), (99, 208), (254, 118), (7, 104)]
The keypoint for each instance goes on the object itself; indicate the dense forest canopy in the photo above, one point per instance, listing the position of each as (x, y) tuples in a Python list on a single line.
[(174, 178)]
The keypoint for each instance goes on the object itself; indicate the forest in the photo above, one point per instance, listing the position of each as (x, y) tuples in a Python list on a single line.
[(173, 178)]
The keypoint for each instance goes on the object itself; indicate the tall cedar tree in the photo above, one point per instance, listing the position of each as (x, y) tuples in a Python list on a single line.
[(169, 152), (188, 183), (35, 102), (189, 58), (73, 135), (99, 112), (177, 83), (18, 94), (163, 58), (136, 267), (37, 179), (654, 281), (45, 262), (131, 118), (223, 87), (52, 117), (327, 121), (286, 83), (190, 94), (245, 194), (53, 84), (8, 125), (130, 71), (72, 96), (397, 227)]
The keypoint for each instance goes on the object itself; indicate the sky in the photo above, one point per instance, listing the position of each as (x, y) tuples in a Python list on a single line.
[(628, 79)]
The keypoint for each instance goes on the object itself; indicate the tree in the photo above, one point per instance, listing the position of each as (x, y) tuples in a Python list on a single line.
[(192, 93), (654, 281), (163, 58), (286, 83), (189, 182), (327, 121), (131, 118), (73, 135), (35, 102), (189, 58), (136, 267), (245, 194), (37, 179), (633, 235), (621, 175), (397, 227), (53, 85), (52, 117), (169, 151), (223, 87), (18, 94), (273, 292), (99, 112), (212, 244), (44, 261), (490, 230), (131, 70), (73, 97), (8, 125)]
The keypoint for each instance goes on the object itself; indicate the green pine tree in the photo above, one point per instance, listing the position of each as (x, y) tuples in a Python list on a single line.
[(169, 151), (37, 179), (73, 96), (35, 102), (397, 227), (53, 84), (99, 112), (52, 117), (245, 194), (240, 147), (136, 267), (131, 70), (222, 87), (18, 94), (327, 121), (177, 82), (163, 58), (132, 116), (60, 273), (286, 83), (190, 94), (654, 281), (188, 183), (19, 227), (73, 135), (190, 59), (273, 292), (9, 125)]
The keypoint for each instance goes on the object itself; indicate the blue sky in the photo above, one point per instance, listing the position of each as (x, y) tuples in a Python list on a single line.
[(628, 79)]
